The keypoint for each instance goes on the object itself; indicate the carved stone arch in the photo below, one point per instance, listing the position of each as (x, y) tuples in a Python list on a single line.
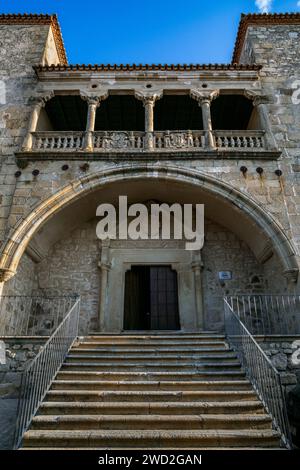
[(23, 232)]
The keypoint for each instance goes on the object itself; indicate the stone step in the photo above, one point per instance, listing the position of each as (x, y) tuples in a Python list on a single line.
[(170, 345), (117, 351), (160, 366), (143, 375), (153, 438), (140, 339), (152, 408), (131, 422), (150, 335), (144, 358), (149, 385), (151, 396)]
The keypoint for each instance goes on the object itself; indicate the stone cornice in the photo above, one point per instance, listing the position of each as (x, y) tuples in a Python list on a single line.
[(260, 20), (115, 156), (32, 19)]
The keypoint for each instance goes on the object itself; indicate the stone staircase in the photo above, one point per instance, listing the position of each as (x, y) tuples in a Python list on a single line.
[(169, 391)]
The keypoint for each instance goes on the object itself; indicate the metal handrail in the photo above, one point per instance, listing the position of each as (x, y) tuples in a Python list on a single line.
[(268, 314), (39, 374), (260, 371), (23, 315)]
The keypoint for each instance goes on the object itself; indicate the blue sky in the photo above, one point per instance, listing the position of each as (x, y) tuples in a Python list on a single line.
[(154, 31)]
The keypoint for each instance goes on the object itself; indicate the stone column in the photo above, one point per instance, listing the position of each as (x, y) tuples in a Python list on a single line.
[(149, 121), (149, 103), (259, 102), (93, 104), (33, 121), (197, 268), (104, 265), (204, 100), (104, 281)]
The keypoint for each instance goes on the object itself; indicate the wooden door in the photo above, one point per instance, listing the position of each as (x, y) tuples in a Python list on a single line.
[(151, 299)]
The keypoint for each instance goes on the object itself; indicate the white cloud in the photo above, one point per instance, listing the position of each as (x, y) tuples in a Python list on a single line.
[(264, 6)]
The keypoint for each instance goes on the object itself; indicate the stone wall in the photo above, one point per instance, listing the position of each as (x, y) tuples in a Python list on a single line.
[(19, 353), (283, 352), (22, 46), (72, 267), (25, 281), (277, 48), (223, 251)]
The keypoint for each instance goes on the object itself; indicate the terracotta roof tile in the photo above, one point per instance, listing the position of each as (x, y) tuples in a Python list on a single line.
[(144, 67)]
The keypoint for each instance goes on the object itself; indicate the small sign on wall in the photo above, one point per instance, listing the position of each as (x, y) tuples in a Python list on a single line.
[(225, 275)]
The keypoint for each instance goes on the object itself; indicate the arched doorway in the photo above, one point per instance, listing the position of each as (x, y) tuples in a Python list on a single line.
[(245, 227)]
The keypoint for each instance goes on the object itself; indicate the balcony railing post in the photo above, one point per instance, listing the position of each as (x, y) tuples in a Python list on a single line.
[(33, 121), (204, 100)]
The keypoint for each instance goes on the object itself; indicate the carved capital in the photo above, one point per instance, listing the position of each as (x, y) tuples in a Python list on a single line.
[(204, 96), (197, 266), (291, 275), (257, 98), (94, 100), (266, 253), (40, 101), (6, 275), (148, 98), (104, 266)]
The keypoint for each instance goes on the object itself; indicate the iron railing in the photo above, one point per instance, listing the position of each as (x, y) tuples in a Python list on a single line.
[(39, 374), (265, 314), (260, 371), (32, 316)]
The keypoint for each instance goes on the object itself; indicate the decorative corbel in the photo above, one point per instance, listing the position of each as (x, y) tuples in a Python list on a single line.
[(6, 275)]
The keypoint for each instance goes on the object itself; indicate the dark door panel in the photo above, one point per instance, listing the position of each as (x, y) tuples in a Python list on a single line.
[(151, 299)]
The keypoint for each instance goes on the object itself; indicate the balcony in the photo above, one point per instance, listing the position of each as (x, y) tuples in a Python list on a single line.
[(144, 126), (136, 141)]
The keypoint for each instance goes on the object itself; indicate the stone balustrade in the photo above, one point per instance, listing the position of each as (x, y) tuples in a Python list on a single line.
[(118, 140), (181, 140), (158, 141), (62, 141), (240, 140)]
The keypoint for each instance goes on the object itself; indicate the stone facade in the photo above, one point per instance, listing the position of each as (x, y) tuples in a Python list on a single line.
[(47, 229)]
